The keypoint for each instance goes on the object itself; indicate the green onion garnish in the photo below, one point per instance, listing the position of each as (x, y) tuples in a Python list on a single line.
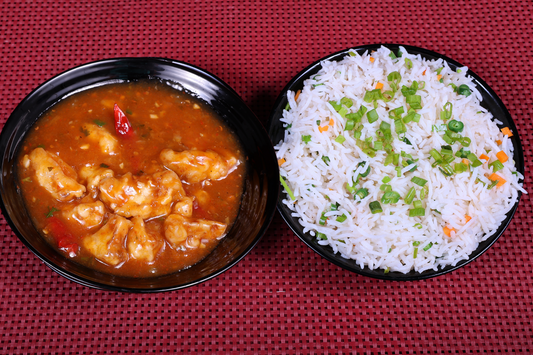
[(286, 187), (325, 159), (323, 219), (386, 179), (417, 204), (414, 101), (372, 116), (455, 126), (362, 193), (375, 207), (347, 102), (417, 212), (418, 226), (340, 139), (306, 139), (415, 253), (51, 212), (492, 184), (408, 63), (427, 247), (390, 197), (496, 165), (463, 89), (321, 236), (335, 105), (341, 218), (446, 113), (419, 181)]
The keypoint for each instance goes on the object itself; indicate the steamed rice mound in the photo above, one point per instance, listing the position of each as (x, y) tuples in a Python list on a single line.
[(322, 163)]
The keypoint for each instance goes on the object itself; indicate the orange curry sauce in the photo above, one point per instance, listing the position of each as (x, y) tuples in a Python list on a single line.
[(161, 118)]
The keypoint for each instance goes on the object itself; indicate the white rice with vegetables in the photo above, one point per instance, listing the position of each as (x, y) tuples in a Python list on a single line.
[(392, 161)]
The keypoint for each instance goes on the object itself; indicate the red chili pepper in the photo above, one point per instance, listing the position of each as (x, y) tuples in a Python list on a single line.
[(65, 240), (122, 124)]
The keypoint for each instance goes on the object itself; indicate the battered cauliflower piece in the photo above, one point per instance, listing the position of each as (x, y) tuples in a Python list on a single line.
[(189, 233), (57, 177), (92, 175), (107, 142), (195, 165), (88, 215), (141, 245), (107, 245), (148, 196)]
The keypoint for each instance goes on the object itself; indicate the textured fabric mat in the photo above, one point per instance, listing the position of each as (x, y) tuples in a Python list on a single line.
[(282, 298)]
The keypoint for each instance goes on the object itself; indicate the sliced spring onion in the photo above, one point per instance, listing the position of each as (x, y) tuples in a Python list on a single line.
[(416, 243), (287, 188), (341, 218), (424, 192), (306, 139), (446, 113), (375, 207), (350, 189), (456, 126), (419, 181), (340, 139), (325, 159), (417, 212), (436, 155), (418, 226), (347, 102), (398, 171), (411, 194), (417, 204), (460, 168), (415, 253), (335, 206), (414, 101), (365, 174), (372, 116), (390, 197), (385, 187), (378, 145), (362, 193), (496, 165), (492, 184), (446, 169), (408, 63), (335, 105), (465, 141), (399, 126), (427, 247), (321, 236), (386, 179), (396, 113), (323, 219)]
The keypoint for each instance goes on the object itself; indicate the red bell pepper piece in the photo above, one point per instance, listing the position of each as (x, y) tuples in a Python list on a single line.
[(65, 240), (122, 124)]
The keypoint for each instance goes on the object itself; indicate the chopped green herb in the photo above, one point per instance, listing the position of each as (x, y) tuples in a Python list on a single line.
[(287, 188), (84, 131), (27, 179), (104, 166), (340, 139), (306, 139), (99, 123), (128, 111), (51, 212), (341, 218), (375, 207)]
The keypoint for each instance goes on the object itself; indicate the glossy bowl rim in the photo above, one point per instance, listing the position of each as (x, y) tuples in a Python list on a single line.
[(197, 71), (307, 239)]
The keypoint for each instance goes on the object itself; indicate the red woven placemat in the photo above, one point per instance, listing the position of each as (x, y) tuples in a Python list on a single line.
[(282, 298)]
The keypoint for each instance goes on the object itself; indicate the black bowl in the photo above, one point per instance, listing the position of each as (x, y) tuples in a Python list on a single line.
[(491, 101), (261, 187)]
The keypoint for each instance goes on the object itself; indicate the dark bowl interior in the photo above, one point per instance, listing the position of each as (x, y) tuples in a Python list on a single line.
[(261, 187), (491, 101)]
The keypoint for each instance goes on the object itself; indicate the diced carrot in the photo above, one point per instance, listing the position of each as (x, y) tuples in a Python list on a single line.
[(499, 142), (281, 161), (322, 129), (507, 131), (297, 95), (379, 86), (372, 59), (448, 231), (424, 73), (466, 161), (502, 156), (468, 218), (501, 181), (439, 77), (331, 122), (483, 156)]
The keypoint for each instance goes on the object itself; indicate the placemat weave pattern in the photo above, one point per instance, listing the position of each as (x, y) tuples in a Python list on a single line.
[(282, 298)]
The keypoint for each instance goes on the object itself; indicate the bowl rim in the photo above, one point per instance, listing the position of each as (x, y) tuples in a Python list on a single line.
[(310, 241), (7, 128)]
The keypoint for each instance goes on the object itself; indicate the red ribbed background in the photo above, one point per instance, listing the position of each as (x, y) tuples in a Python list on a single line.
[(282, 298)]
